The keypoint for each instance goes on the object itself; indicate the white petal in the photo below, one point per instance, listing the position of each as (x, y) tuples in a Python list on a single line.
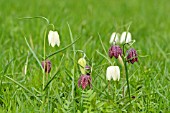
[(109, 72), (117, 73), (53, 38), (56, 38), (123, 37), (113, 72), (50, 35), (114, 38)]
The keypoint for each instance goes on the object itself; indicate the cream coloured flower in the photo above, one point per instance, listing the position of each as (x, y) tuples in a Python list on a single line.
[(82, 63), (53, 38), (126, 37), (113, 72), (114, 38)]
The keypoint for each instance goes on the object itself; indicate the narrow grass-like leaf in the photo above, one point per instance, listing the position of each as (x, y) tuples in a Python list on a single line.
[(102, 44), (23, 87), (62, 49), (34, 54), (40, 17), (74, 65), (6, 67), (104, 57), (54, 74)]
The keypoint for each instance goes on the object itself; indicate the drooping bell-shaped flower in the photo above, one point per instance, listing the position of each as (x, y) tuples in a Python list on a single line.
[(125, 37), (84, 81), (82, 63), (113, 72), (46, 65), (132, 56), (115, 51), (53, 38), (114, 39)]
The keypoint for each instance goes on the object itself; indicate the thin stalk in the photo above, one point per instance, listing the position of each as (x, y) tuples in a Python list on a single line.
[(74, 65), (126, 72), (44, 57)]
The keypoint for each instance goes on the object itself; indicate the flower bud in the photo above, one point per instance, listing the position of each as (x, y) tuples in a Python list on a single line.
[(115, 51), (84, 81), (88, 70), (46, 65), (113, 72), (82, 63), (132, 56)]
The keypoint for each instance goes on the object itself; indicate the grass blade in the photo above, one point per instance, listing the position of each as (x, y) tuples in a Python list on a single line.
[(62, 48), (23, 87), (54, 74), (34, 54)]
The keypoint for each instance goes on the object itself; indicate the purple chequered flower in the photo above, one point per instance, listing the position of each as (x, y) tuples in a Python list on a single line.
[(115, 51), (132, 56), (46, 65)]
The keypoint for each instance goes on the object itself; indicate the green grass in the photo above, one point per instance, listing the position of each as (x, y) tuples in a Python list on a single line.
[(149, 79)]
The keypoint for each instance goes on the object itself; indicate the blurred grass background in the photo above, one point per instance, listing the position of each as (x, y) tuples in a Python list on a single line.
[(150, 27)]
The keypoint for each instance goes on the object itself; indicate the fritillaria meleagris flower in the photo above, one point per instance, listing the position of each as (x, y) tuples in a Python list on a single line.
[(113, 72), (114, 38), (84, 81), (53, 38), (125, 37), (82, 63), (46, 65), (115, 51), (132, 56)]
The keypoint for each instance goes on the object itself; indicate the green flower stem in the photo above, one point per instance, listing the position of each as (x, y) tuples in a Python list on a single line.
[(126, 71)]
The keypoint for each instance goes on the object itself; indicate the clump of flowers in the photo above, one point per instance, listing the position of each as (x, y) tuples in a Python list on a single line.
[(117, 50)]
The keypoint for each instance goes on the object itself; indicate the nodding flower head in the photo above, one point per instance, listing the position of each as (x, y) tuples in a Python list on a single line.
[(53, 38), (132, 56), (115, 51), (114, 39), (84, 81), (46, 65), (113, 72), (125, 37)]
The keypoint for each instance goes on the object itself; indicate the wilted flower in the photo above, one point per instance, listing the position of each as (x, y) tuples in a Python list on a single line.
[(46, 65), (53, 38), (132, 55), (82, 63), (84, 81), (126, 37), (114, 38), (115, 51), (113, 72)]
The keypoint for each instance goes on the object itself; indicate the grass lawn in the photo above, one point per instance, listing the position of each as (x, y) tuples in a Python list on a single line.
[(24, 87)]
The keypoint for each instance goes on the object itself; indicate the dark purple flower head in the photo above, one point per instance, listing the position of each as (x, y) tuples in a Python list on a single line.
[(115, 51), (84, 81), (88, 70), (132, 56), (46, 65)]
